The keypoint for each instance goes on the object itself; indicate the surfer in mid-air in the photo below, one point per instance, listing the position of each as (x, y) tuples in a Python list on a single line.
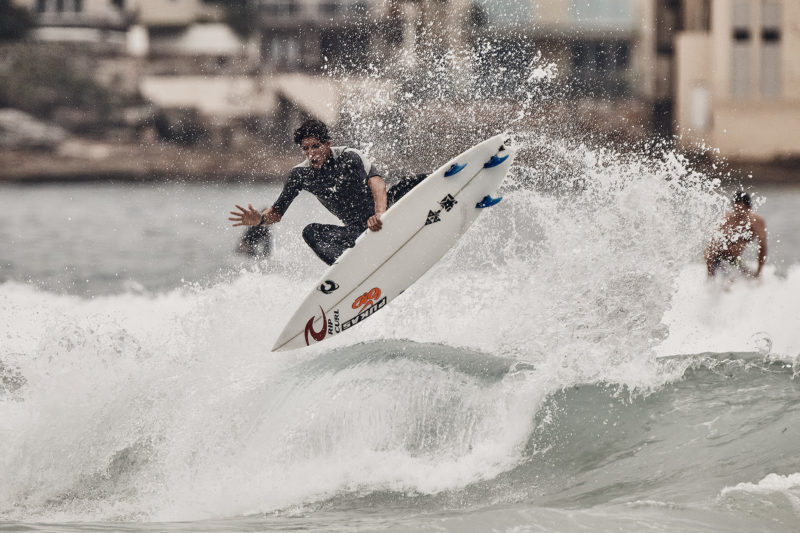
[(344, 181), (740, 227)]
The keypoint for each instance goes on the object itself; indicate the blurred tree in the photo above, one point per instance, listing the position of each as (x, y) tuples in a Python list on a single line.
[(14, 21), (46, 80)]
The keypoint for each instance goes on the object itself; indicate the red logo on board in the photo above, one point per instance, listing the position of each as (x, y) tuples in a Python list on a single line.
[(316, 335)]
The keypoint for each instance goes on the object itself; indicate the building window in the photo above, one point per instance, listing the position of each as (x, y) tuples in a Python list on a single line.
[(284, 52), (280, 8), (501, 12), (329, 9), (771, 49), (345, 49), (740, 68), (599, 68), (618, 14)]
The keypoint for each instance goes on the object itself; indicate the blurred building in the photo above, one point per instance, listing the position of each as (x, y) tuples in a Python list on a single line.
[(709, 70), (304, 35), (737, 77), (98, 21), (604, 49), (139, 27), (597, 44)]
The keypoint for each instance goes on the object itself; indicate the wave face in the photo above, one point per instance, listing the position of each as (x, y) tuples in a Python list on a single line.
[(565, 355), (565, 365)]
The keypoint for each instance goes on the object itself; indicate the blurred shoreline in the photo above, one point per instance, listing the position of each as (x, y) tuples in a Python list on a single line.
[(92, 161), (82, 161)]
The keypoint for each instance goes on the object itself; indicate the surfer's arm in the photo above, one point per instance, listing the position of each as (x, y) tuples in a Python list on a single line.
[(378, 188), (760, 230)]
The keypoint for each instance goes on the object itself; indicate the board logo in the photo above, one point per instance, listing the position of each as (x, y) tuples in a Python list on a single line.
[(328, 287), (433, 216), (367, 299), (448, 202), (316, 335), (364, 313), (333, 325)]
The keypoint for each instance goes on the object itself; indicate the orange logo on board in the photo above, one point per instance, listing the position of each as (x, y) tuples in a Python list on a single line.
[(367, 299)]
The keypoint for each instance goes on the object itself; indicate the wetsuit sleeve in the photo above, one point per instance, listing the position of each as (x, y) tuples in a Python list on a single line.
[(359, 159), (291, 189)]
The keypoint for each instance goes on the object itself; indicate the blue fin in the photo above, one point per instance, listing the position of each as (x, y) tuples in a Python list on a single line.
[(455, 169), (488, 201), (494, 161)]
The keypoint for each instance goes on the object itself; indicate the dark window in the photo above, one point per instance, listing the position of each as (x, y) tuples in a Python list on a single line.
[(771, 35), (741, 34), (599, 68), (280, 8), (345, 48), (329, 8)]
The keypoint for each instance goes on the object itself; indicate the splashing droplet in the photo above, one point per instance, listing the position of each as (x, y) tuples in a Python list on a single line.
[(761, 342)]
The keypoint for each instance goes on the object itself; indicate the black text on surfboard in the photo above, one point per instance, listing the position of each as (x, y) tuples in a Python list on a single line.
[(364, 314)]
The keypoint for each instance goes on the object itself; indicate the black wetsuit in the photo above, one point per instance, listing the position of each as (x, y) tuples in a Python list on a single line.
[(341, 186)]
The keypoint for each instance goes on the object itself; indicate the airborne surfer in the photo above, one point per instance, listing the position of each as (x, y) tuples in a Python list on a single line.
[(345, 182)]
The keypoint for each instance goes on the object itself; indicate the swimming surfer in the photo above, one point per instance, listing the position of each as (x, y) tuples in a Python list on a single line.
[(343, 180), (740, 227)]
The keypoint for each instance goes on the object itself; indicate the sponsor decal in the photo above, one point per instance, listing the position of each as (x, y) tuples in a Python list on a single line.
[(433, 216), (333, 324), (316, 335), (367, 299), (365, 313), (328, 287), (448, 202)]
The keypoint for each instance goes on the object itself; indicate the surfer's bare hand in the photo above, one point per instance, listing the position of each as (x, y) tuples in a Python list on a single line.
[(374, 222), (245, 217)]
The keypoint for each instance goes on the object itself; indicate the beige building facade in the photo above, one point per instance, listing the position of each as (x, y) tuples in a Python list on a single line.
[(737, 82)]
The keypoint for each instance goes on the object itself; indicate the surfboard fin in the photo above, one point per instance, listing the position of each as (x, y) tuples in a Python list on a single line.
[(488, 201), (455, 169), (494, 161)]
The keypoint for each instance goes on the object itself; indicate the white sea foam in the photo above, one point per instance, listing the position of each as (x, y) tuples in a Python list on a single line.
[(747, 315), (776, 497)]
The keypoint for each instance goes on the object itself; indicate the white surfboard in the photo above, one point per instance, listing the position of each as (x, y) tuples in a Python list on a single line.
[(417, 231)]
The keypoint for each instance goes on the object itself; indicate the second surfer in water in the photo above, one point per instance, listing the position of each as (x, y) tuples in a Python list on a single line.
[(740, 227)]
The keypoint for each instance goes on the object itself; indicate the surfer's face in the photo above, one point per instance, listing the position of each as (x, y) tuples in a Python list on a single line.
[(316, 151)]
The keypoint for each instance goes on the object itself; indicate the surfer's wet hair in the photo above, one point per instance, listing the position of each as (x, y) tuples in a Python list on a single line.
[(743, 198), (312, 128)]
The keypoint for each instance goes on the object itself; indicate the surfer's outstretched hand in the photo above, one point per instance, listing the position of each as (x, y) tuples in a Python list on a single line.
[(374, 222), (245, 217)]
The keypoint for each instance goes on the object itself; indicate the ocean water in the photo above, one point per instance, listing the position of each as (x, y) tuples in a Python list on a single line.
[(566, 367)]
